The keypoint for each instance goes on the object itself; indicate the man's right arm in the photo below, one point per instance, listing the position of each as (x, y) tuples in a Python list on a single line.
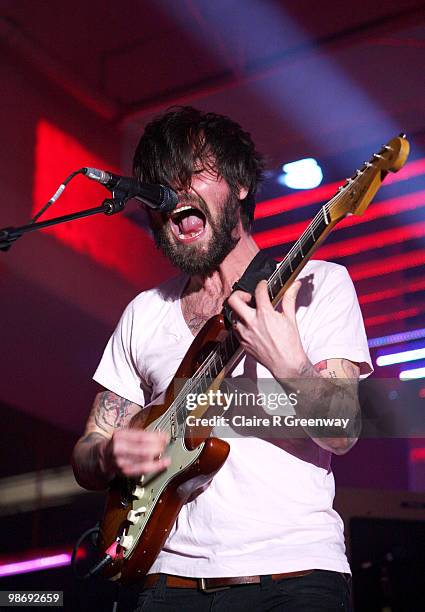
[(109, 448)]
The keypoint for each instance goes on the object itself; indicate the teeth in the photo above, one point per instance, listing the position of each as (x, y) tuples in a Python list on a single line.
[(191, 235), (181, 209)]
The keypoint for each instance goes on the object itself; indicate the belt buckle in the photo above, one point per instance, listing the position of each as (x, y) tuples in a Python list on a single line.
[(203, 587)]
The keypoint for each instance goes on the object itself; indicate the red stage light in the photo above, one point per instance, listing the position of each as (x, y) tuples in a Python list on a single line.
[(396, 263), (392, 316), (399, 289), (268, 208), (385, 208), (114, 242), (376, 240), (417, 455)]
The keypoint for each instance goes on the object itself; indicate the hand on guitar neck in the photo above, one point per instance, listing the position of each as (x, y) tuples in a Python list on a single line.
[(329, 389), (271, 338)]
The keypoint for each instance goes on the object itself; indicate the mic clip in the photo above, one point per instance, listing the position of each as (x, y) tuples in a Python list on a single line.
[(115, 204)]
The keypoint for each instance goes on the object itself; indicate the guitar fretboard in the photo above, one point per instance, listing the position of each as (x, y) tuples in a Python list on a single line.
[(298, 253)]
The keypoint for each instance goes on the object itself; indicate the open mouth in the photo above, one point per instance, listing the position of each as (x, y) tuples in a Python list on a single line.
[(187, 223)]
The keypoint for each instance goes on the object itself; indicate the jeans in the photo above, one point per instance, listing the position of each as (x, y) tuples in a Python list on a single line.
[(320, 591)]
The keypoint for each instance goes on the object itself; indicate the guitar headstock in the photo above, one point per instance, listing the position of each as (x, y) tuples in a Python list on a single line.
[(356, 194)]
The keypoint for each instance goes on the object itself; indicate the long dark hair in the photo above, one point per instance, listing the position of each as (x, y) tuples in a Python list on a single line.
[(184, 138)]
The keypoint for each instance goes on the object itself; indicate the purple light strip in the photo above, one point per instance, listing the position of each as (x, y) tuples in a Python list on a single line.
[(34, 565), (415, 334)]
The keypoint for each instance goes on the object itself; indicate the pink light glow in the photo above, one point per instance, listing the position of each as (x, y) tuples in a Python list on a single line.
[(34, 565), (417, 455), (393, 206)]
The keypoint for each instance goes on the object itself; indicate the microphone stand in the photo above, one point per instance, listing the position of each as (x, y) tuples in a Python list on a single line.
[(110, 206)]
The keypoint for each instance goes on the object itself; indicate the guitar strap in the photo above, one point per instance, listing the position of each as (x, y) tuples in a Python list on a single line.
[(260, 268)]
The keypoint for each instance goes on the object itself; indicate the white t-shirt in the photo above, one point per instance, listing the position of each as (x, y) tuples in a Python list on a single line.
[(269, 509)]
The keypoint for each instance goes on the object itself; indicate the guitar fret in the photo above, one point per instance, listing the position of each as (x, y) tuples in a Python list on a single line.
[(275, 286), (309, 243)]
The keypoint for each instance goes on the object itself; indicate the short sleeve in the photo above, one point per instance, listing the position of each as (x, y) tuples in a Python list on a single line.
[(117, 370), (336, 328)]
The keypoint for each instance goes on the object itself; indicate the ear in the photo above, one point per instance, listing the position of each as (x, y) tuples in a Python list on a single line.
[(243, 192)]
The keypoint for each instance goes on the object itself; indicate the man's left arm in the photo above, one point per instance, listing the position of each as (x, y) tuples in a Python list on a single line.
[(327, 390)]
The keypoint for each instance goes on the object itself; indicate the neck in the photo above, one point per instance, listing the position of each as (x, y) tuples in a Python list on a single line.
[(220, 282)]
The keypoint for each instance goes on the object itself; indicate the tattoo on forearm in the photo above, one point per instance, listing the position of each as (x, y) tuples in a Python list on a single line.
[(330, 390), (111, 411)]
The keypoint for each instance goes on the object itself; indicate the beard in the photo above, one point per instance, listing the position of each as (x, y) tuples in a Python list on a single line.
[(194, 259)]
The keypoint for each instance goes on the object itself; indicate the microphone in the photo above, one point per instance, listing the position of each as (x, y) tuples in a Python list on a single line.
[(158, 197)]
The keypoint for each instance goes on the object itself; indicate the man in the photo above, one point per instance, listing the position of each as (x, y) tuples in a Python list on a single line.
[(264, 528)]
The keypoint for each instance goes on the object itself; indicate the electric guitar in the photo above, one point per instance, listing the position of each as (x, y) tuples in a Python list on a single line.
[(140, 513)]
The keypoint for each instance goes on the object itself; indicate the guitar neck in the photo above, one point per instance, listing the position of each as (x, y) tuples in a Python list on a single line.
[(299, 254)]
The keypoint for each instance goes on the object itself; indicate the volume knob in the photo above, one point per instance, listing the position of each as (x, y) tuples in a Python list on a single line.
[(138, 492), (134, 515)]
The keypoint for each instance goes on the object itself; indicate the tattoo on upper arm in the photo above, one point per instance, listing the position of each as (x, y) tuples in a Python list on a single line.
[(351, 370), (112, 411), (337, 368)]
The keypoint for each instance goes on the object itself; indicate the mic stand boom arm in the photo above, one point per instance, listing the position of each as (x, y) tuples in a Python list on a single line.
[(110, 206)]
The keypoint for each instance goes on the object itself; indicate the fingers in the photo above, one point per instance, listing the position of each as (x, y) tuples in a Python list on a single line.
[(238, 302), (130, 468), (147, 467), (135, 452), (262, 298), (290, 298)]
